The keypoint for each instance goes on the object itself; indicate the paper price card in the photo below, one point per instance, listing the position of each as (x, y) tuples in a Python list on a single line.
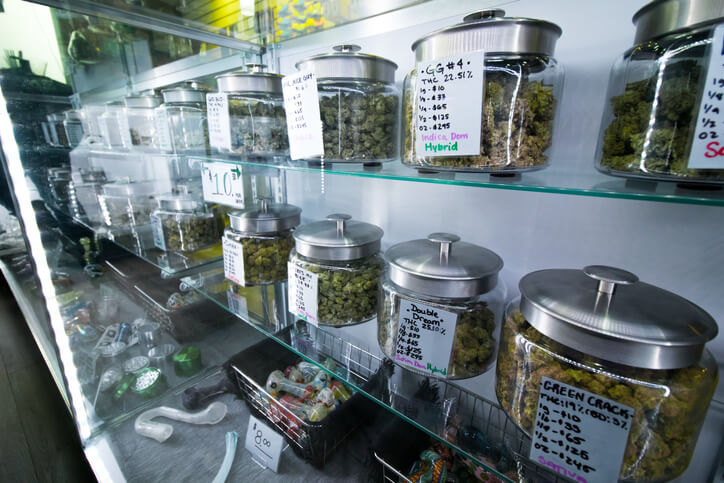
[(163, 133), (579, 434), (304, 123), (158, 239), (303, 293), (264, 444), (425, 337), (449, 100), (217, 115), (233, 260), (222, 183), (237, 304)]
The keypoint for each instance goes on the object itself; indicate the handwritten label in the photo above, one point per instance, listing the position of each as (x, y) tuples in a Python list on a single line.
[(222, 183), (157, 228), (163, 133), (237, 304), (264, 444), (217, 114), (424, 337), (233, 260), (304, 122), (449, 99), (303, 293), (579, 434)]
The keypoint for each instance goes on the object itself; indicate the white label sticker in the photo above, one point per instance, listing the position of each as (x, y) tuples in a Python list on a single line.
[(222, 183), (707, 145), (157, 227), (163, 133), (217, 114), (124, 130), (304, 122), (425, 337), (303, 293), (264, 444), (237, 304), (233, 260), (579, 434), (449, 100)]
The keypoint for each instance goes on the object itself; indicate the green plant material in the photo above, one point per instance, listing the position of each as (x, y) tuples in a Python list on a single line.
[(508, 140), (358, 126), (265, 258), (258, 126), (188, 232), (669, 405)]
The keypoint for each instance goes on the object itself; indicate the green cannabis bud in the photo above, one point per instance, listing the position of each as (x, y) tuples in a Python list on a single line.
[(265, 258), (189, 232), (257, 126)]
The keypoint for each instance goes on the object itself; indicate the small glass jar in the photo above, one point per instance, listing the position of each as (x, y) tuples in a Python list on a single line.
[(73, 126), (343, 257), (110, 127), (183, 223), (185, 109), (521, 87), (442, 307), (84, 195), (257, 243), (257, 120), (656, 91), (141, 121), (127, 204), (57, 131), (617, 342), (358, 104), (58, 180), (90, 118)]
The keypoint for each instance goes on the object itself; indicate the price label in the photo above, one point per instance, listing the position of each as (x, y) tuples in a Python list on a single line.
[(579, 434), (449, 99), (237, 304), (157, 228), (222, 183), (424, 337), (163, 133), (233, 260), (217, 114), (304, 123), (264, 444), (707, 145), (303, 293)]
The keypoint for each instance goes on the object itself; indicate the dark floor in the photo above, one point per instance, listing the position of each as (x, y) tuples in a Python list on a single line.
[(38, 439)]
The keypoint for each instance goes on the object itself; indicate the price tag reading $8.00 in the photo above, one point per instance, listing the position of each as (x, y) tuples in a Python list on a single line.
[(449, 99), (303, 293), (304, 122), (223, 183), (264, 444)]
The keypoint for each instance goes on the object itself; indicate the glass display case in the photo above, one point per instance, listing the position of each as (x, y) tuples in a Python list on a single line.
[(206, 308)]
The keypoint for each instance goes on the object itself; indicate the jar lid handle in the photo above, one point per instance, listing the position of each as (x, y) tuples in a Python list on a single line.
[(445, 240), (347, 48), (264, 204), (609, 277), (484, 14), (341, 219), (255, 67)]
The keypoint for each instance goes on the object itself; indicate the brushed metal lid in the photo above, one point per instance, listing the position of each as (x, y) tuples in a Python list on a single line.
[(266, 218), (662, 17), (73, 115), (348, 63), (143, 101), (338, 239), (443, 266), (180, 202), (490, 31), (254, 79), (608, 313), (184, 95)]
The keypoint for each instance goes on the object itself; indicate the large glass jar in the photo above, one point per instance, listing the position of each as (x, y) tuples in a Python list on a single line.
[(127, 204), (521, 86), (73, 127), (257, 120), (141, 121), (442, 307), (657, 90), (625, 366), (110, 126), (185, 117), (358, 104), (334, 271), (183, 223), (257, 243)]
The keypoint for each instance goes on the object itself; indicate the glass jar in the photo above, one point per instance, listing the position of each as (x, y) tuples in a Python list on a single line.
[(442, 307), (110, 127), (141, 121), (656, 90), (628, 354), (73, 126), (185, 117), (84, 195), (126, 204), (90, 119), (257, 120), (334, 271), (358, 104), (522, 83), (58, 181), (57, 131), (183, 223), (257, 243)]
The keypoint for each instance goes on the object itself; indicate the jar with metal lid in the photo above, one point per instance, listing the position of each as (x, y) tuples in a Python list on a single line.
[(442, 306), (184, 114), (183, 223), (358, 104), (127, 203), (73, 126), (334, 271), (57, 130), (660, 122), (622, 361), (141, 121), (109, 125), (257, 120), (521, 83), (258, 241)]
